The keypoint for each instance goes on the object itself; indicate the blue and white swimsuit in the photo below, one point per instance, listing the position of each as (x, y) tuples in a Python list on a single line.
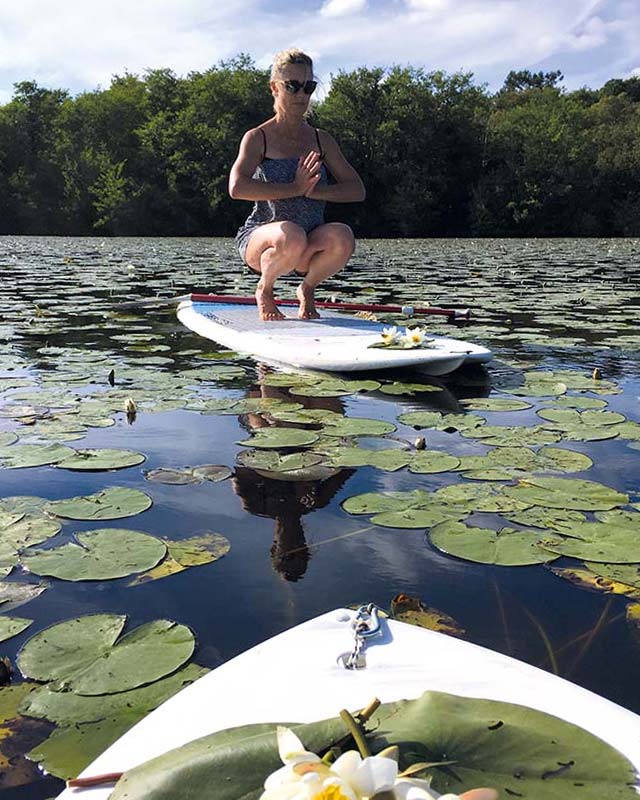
[(304, 211)]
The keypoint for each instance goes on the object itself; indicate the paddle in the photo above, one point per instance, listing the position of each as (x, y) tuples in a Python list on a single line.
[(452, 313)]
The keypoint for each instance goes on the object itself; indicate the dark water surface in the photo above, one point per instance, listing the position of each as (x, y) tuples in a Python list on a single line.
[(295, 553)]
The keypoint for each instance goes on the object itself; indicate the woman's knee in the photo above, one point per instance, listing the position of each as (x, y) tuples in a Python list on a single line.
[(290, 238), (341, 239)]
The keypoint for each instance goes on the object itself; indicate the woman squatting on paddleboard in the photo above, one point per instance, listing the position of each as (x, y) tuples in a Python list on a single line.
[(283, 166)]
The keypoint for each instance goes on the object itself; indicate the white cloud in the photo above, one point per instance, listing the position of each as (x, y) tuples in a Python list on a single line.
[(80, 44), (342, 8)]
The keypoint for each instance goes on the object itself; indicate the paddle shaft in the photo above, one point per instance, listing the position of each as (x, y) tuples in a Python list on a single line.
[(223, 298)]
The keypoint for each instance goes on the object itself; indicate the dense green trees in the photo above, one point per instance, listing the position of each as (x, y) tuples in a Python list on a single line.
[(439, 154)]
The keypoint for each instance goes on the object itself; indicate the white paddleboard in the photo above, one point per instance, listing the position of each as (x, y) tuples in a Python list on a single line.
[(336, 342), (298, 676)]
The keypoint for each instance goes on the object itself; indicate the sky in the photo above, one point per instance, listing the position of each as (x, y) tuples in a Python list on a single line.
[(79, 44)]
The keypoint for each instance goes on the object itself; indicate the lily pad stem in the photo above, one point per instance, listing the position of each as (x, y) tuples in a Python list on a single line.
[(356, 731)]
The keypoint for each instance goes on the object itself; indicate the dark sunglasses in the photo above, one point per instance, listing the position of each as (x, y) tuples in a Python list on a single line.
[(293, 87)]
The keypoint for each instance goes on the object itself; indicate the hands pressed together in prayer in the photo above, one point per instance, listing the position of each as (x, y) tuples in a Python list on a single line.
[(307, 174)]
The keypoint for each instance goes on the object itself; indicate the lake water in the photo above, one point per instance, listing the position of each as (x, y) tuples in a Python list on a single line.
[(541, 305)]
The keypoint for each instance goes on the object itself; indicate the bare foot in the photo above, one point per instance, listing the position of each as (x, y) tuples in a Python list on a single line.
[(305, 295), (268, 311)]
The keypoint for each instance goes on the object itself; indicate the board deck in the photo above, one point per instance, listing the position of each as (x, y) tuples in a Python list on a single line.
[(297, 676), (336, 342)]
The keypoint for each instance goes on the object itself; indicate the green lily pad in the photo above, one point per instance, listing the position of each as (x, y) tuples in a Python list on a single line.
[(379, 502), (418, 517), (389, 460), (68, 708), (628, 430), (620, 517), (569, 418), (410, 389), (539, 389), (19, 456), (556, 519), (414, 612), (426, 462), (358, 426), (85, 657), (513, 436), (12, 626), (334, 388), (112, 503), (185, 553), (280, 438), (177, 477), (477, 497), (307, 416), (7, 438), (69, 750), (574, 401), (101, 459), (494, 404), (23, 504), (102, 554), (483, 752), (597, 542), (566, 493), (507, 547), (29, 530), (442, 422)]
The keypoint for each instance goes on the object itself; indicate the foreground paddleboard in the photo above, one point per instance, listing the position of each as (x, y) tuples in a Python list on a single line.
[(336, 342), (298, 676)]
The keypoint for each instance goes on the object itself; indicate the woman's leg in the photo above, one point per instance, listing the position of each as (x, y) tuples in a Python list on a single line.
[(273, 250), (329, 248)]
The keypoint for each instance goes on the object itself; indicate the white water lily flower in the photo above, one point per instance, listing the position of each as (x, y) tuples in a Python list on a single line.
[(305, 777), (414, 336), (390, 335)]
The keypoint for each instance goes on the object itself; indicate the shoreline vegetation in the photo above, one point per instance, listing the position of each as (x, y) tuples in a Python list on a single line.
[(439, 154)]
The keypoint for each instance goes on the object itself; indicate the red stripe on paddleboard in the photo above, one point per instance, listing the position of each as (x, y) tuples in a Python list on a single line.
[(251, 301)]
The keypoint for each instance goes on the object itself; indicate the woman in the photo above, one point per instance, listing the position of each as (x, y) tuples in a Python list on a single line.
[(282, 166)]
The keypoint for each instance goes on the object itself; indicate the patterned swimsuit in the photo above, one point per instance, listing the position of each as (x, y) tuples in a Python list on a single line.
[(304, 211)]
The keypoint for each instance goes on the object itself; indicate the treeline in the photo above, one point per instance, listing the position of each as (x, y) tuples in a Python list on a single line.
[(439, 154)]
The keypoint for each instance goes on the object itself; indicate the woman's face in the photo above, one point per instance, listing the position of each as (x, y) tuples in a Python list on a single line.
[(293, 76)]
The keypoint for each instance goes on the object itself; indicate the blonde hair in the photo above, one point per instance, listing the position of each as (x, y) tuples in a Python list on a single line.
[(286, 57)]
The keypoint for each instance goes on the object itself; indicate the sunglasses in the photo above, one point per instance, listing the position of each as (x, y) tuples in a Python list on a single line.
[(293, 87)]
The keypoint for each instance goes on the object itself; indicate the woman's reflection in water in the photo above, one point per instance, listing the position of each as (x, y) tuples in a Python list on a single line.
[(286, 502)]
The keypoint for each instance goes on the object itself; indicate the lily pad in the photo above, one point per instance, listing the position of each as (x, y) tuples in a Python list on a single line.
[(414, 612), (358, 426), (334, 388), (101, 459), (19, 456), (587, 579), (12, 626), (426, 462), (597, 542), (513, 435), (112, 503), (577, 401), (68, 708), (14, 594), (185, 553), (494, 404), (379, 502), (84, 655), (486, 740), (628, 574), (212, 472), (102, 554), (389, 460), (409, 389), (566, 493), (280, 438), (507, 547), (177, 477), (418, 517), (7, 438), (557, 519)]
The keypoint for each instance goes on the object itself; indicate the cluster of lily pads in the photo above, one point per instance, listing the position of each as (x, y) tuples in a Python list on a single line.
[(72, 363)]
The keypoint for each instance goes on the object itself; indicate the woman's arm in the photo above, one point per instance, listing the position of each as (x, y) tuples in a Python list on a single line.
[(242, 185), (348, 186)]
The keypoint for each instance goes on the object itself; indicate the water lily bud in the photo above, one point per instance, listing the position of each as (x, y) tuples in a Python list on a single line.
[(597, 375), (130, 406), (420, 443)]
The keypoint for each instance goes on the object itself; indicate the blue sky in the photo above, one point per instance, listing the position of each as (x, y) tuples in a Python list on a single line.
[(79, 44)]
